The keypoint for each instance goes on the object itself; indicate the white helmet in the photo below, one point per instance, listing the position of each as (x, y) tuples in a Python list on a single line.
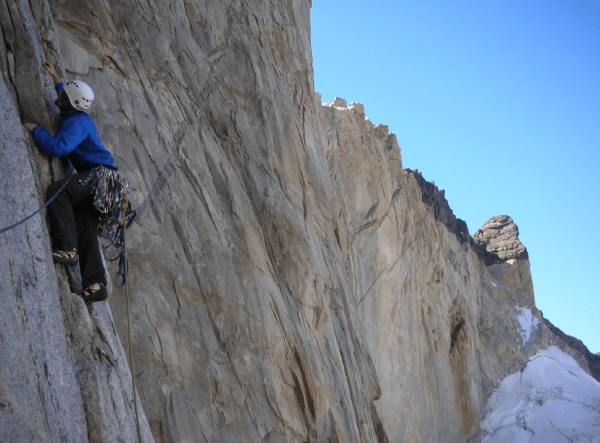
[(80, 94)]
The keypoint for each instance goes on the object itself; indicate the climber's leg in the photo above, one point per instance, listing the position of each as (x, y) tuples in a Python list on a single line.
[(92, 269), (90, 260), (62, 219)]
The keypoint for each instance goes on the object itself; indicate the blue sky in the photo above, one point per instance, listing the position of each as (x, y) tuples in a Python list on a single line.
[(498, 102)]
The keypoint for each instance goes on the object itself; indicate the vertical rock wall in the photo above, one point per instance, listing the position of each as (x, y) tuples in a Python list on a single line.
[(290, 281), (439, 324)]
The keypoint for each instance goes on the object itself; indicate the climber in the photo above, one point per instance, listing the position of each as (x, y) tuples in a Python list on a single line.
[(73, 217)]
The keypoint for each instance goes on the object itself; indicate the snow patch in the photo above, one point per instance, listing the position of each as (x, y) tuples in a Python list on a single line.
[(552, 400), (527, 323)]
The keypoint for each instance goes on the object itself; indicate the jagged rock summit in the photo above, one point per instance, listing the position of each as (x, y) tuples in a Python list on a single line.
[(498, 240), (290, 281)]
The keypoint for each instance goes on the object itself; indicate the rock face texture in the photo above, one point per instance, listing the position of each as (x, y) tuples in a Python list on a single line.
[(290, 281)]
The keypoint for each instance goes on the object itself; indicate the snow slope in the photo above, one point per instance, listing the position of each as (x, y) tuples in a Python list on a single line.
[(551, 400), (527, 323)]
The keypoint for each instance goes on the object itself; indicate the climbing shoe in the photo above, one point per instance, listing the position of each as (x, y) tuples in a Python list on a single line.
[(93, 295), (68, 258)]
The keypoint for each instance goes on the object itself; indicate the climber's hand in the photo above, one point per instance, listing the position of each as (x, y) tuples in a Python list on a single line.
[(50, 68), (29, 126)]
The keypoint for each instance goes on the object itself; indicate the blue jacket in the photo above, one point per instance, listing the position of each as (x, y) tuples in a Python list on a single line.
[(77, 138)]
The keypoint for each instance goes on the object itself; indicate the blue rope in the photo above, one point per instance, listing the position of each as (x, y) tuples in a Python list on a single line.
[(117, 241), (8, 228)]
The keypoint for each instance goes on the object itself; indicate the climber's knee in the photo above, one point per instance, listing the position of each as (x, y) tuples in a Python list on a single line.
[(53, 189)]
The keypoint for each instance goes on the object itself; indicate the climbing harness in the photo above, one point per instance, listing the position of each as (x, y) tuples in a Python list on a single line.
[(109, 189), (125, 208), (8, 228)]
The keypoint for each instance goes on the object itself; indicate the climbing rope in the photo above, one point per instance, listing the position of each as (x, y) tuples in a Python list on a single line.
[(124, 226), (116, 236), (8, 228)]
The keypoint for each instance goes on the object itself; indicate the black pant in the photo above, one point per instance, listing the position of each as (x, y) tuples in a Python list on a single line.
[(74, 226)]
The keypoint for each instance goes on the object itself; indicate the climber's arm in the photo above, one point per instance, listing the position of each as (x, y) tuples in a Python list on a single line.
[(49, 67), (70, 136)]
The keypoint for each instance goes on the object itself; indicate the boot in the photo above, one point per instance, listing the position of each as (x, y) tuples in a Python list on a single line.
[(95, 293), (68, 258)]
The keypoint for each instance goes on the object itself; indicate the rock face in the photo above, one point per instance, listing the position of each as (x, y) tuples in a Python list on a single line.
[(290, 281)]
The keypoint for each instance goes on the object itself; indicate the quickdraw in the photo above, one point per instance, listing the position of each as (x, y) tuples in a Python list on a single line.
[(109, 191)]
